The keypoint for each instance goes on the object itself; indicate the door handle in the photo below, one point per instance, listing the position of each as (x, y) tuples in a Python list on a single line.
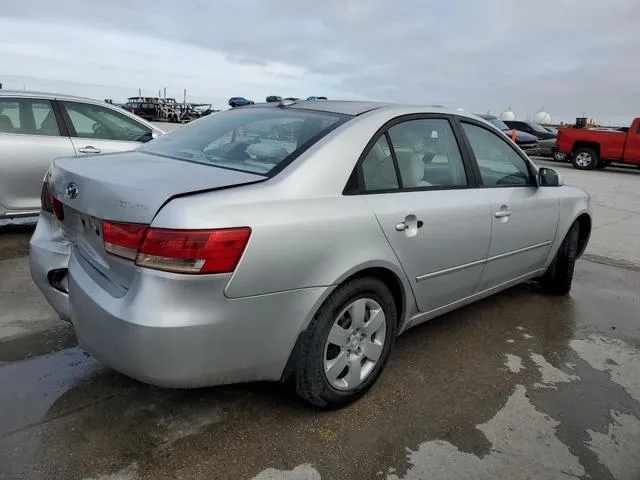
[(502, 214), (89, 149), (402, 226)]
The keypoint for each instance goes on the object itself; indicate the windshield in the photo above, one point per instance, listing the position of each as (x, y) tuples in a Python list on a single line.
[(539, 128), (496, 122), (254, 140)]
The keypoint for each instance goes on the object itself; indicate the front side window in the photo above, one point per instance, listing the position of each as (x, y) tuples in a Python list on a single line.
[(95, 121), (28, 116), (378, 170), (254, 140), (427, 154), (499, 164)]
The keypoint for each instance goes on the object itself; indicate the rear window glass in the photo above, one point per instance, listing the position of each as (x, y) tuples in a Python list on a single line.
[(255, 140)]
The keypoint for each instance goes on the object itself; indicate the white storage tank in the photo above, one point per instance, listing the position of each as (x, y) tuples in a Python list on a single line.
[(507, 115), (542, 117)]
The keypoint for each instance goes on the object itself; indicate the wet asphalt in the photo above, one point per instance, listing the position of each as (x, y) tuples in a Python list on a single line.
[(520, 385)]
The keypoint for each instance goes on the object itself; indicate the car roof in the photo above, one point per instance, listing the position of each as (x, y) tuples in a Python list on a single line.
[(45, 95), (355, 108), (344, 107)]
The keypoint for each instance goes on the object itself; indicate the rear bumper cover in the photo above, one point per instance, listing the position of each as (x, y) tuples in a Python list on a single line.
[(48, 251), (176, 330)]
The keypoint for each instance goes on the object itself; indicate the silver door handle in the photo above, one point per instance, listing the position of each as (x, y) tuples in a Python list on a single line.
[(89, 149), (502, 214), (402, 226)]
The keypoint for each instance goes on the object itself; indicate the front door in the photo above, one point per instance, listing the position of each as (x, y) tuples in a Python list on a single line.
[(438, 226), (632, 144), (99, 129), (524, 217)]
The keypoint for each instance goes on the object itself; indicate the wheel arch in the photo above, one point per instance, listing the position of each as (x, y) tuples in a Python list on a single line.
[(585, 223), (390, 275), (595, 146)]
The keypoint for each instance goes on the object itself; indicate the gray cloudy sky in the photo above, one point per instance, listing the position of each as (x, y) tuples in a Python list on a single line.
[(569, 56)]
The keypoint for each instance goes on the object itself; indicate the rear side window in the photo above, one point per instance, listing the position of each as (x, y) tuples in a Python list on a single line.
[(378, 170), (28, 116), (255, 139)]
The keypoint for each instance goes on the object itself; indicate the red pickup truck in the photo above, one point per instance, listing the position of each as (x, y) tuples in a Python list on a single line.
[(589, 149)]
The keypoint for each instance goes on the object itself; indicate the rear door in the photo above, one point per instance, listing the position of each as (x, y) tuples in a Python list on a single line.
[(632, 145), (30, 139), (524, 218), (415, 180), (99, 129)]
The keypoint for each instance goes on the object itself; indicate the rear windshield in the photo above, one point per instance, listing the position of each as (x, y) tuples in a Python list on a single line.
[(255, 139)]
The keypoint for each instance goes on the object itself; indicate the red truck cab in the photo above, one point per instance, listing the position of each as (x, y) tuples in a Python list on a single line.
[(591, 148)]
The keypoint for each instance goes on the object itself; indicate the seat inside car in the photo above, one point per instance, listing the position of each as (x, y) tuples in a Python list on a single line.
[(412, 169), (49, 125), (6, 125)]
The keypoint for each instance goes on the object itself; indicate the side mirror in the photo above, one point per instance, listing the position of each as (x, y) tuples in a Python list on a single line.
[(547, 177), (155, 133)]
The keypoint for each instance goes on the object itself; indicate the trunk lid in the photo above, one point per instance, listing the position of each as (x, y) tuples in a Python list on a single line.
[(125, 187)]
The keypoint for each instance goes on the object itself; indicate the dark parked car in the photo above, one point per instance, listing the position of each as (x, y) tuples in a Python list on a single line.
[(546, 138), (527, 142)]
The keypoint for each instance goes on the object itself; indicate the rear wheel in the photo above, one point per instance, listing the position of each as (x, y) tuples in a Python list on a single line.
[(347, 343), (559, 276), (585, 159)]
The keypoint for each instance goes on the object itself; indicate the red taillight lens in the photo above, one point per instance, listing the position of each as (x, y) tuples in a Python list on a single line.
[(50, 203), (193, 251), (46, 200), (182, 251), (122, 239)]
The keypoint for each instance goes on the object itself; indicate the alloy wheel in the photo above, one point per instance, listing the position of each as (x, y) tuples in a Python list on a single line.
[(354, 344), (584, 159)]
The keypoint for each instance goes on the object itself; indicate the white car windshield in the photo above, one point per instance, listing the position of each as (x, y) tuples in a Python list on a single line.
[(250, 139)]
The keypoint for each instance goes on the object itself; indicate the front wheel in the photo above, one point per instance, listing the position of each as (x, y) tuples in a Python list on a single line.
[(559, 276), (585, 159), (347, 343)]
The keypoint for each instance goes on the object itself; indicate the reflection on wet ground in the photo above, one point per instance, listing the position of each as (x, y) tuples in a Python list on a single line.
[(521, 385), (15, 236)]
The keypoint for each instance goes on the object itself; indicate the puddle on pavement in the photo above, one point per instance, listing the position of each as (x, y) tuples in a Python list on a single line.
[(31, 346), (504, 370)]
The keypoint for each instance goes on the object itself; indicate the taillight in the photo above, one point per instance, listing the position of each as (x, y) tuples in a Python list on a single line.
[(46, 200), (50, 203), (193, 251), (181, 251), (122, 239)]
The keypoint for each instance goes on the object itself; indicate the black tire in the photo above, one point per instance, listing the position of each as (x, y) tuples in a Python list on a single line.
[(581, 154), (601, 165), (311, 381), (559, 276)]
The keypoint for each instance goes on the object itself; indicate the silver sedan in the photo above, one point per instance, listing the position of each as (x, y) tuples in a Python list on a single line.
[(296, 241), (37, 127)]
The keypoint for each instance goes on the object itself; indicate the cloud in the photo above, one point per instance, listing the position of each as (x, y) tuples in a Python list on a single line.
[(570, 56)]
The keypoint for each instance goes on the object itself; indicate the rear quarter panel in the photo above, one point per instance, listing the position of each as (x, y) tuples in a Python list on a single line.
[(294, 243)]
